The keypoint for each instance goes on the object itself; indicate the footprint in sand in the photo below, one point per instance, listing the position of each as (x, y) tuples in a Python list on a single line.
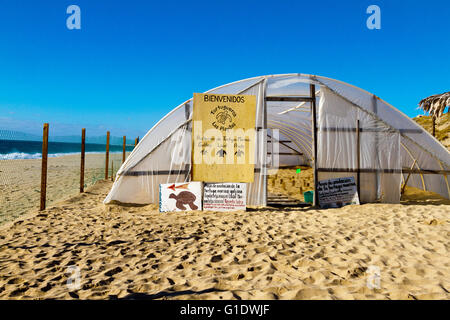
[(216, 258)]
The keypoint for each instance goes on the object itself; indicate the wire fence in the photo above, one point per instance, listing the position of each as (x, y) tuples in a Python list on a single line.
[(21, 165)]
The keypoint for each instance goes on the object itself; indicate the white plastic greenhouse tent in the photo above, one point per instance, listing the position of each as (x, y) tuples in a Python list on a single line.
[(392, 146)]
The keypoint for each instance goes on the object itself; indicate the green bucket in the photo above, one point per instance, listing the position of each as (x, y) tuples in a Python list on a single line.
[(309, 196)]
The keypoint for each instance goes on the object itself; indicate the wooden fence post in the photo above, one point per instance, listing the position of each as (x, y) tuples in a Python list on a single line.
[(44, 166), (124, 148), (112, 170), (83, 149), (136, 141), (433, 123), (107, 156)]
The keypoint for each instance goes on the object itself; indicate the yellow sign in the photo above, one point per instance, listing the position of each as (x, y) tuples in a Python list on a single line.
[(223, 137)]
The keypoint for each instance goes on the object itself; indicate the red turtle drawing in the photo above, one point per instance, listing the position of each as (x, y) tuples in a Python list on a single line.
[(184, 198)]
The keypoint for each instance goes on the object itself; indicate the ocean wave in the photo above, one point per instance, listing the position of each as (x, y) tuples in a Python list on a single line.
[(21, 155)]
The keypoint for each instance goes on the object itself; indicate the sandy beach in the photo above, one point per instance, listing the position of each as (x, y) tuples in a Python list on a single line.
[(20, 181), (335, 156), (136, 252)]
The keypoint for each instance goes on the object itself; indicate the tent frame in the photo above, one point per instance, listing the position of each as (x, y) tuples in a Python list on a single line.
[(312, 100), (313, 81)]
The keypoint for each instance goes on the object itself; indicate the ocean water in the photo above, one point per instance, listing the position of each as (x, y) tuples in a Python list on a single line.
[(21, 149)]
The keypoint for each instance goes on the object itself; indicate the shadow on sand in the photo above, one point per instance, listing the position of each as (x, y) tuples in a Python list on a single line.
[(162, 294)]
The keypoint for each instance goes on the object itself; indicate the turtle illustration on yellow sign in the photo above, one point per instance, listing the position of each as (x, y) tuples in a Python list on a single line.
[(224, 118), (224, 137)]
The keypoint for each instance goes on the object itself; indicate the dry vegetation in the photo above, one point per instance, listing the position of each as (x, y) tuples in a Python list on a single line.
[(442, 127)]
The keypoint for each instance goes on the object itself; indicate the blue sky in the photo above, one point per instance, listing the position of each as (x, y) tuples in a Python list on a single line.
[(133, 61)]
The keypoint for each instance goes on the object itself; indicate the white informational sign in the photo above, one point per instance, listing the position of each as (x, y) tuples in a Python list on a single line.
[(224, 196), (336, 193), (185, 196)]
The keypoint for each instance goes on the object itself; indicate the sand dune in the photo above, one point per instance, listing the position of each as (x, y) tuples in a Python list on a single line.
[(137, 252)]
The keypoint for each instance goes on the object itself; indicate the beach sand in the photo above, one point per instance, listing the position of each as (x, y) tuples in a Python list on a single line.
[(20, 181), (126, 251), (289, 182)]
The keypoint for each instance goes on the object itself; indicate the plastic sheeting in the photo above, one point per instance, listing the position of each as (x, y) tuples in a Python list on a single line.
[(415, 142), (337, 148), (389, 141), (141, 184)]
